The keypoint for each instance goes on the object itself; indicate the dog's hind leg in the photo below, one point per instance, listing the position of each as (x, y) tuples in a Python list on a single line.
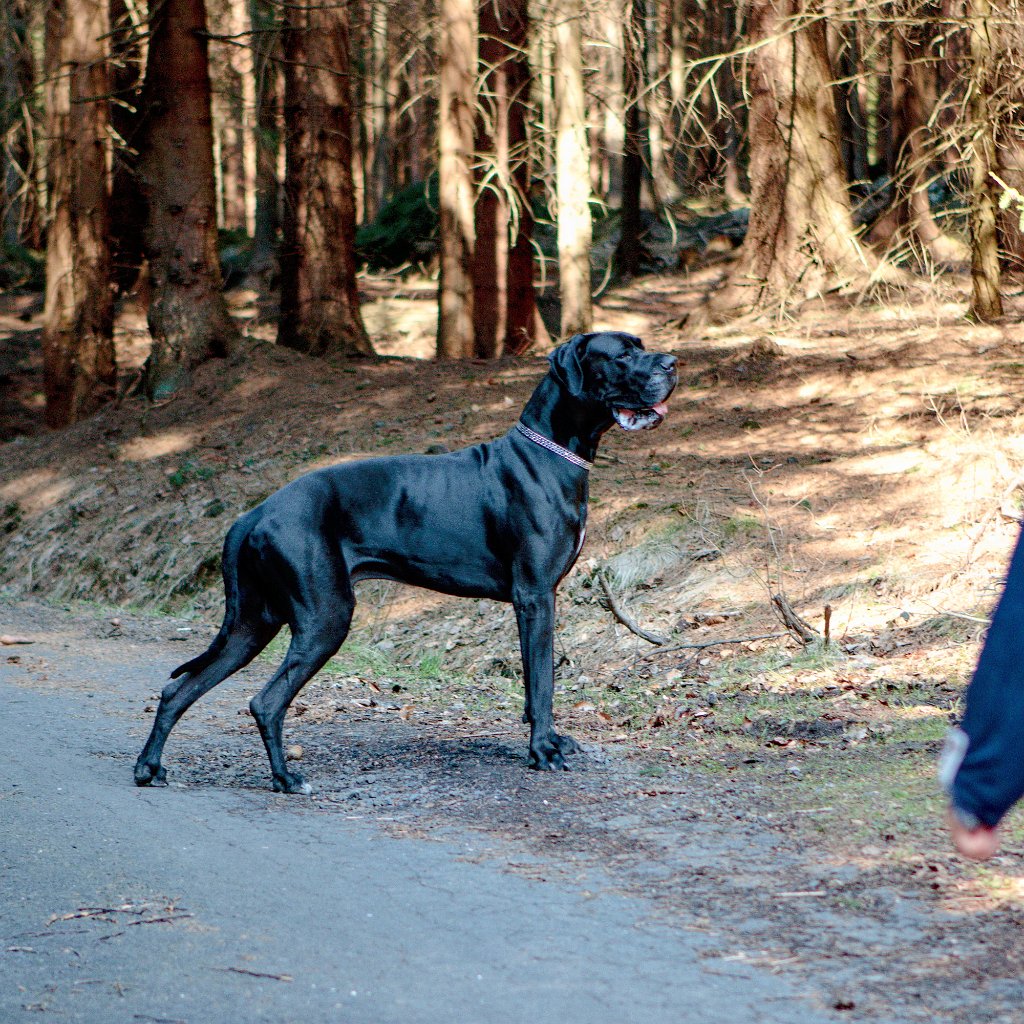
[(318, 630), (240, 647)]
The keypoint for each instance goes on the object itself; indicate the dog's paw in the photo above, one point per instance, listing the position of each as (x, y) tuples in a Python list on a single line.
[(548, 754), (150, 775), (547, 761), (292, 782)]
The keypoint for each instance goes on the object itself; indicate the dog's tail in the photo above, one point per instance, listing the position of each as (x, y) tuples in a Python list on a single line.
[(233, 542)]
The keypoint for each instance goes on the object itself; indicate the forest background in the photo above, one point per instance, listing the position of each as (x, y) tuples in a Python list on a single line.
[(293, 144), (244, 239)]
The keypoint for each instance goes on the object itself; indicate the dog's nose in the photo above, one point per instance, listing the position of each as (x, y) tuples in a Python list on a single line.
[(667, 363)]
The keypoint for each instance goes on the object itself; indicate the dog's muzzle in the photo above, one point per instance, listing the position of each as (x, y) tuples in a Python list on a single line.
[(641, 419), (637, 416)]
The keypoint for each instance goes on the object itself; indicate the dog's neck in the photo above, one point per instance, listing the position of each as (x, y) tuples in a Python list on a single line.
[(574, 424)]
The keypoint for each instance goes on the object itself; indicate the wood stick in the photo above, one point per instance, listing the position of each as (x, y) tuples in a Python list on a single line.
[(804, 633), (620, 614), (256, 974)]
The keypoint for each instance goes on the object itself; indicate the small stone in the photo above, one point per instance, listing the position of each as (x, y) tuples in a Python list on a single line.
[(294, 752)]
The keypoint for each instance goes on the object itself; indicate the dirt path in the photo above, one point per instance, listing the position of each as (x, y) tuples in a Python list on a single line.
[(661, 888)]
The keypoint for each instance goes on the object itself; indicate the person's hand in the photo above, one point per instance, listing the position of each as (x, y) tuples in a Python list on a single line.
[(975, 843)]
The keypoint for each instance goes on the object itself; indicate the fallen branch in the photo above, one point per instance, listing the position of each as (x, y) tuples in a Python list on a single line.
[(92, 913), (621, 615), (716, 643), (803, 632)]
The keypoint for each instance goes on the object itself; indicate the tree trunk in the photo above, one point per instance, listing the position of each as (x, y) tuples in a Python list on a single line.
[(491, 212), (233, 103), (572, 171), (265, 49), (523, 319), (14, 85), (912, 157), (628, 251), (986, 300), (457, 56), (503, 300), (853, 134), (543, 59), (610, 121), (380, 151), (188, 317), (726, 131), (127, 204), (420, 112), (78, 332), (243, 59), (656, 103), (800, 242), (679, 39), (319, 299)]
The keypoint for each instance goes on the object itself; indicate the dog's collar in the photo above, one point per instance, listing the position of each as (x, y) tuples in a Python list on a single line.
[(551, 446)]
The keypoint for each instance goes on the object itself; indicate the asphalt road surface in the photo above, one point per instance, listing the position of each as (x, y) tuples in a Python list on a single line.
[(226, 904)]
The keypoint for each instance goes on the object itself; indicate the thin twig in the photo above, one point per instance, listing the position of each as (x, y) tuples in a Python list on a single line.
[(716, 643), (620, 614), (961, 615), (256, 974), (159, 920)]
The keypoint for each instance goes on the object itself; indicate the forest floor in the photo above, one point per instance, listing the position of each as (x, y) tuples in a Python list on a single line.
[(866, 457)]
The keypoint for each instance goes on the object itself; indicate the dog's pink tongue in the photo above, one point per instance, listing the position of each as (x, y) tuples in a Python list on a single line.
[(661, 409)]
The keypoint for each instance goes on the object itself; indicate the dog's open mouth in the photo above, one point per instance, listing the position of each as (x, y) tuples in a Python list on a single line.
[(640, 419)]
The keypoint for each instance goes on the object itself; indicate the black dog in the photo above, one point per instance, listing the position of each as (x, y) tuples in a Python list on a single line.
[(503, 520)]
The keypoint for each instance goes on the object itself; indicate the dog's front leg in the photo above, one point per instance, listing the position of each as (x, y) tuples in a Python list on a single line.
[(535, 614)]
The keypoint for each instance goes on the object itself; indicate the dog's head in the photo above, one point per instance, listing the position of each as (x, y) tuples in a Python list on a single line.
[(612, 369)]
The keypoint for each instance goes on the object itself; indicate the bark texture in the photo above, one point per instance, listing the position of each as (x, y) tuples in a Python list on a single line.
[(628, 251), (912, 158), (458, 52), (188, 318), (800, 242), (127, 204), (265, 53), (319, 299), (986, 300), (572, 170), (504, 306), (78, 338)]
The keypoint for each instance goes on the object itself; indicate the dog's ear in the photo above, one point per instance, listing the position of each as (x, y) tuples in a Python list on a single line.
[(566, 366)]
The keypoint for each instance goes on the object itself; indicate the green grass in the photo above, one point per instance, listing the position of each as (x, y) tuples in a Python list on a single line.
[(189, 472), (741, 526)]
